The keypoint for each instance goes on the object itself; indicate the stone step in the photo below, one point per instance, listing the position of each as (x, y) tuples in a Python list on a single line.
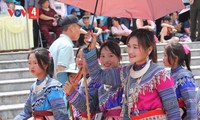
[(13, 64), (194, 61), (7, 98), (20, 73), (160, 46), (8, 112), (24, 63), (16, 84), (192, 45), (22, 55), (17, 73), (194, 52)]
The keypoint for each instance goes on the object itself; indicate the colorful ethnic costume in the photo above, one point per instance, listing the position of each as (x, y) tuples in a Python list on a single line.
[(110, 101), (185, 91), (46, 100), (148, 93), (78, 99)]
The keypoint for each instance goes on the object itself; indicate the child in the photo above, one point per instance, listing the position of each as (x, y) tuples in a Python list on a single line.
[(72, 73), (110, 97), (47, 99), (76, 96), (176, 56), (148, 89)]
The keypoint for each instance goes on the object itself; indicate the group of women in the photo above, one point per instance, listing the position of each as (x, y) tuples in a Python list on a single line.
[(142, 90)]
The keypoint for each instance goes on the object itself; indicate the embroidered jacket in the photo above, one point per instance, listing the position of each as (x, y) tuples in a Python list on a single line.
[(78, 99), (110, 98), (49, 96), (185, 89), (154, 91)]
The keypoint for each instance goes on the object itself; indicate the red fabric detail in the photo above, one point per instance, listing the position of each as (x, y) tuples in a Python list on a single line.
[(148, 114)]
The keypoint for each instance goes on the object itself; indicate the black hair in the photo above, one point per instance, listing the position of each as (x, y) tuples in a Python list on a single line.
[(98, 21), (113, 47), (168, 18), (80, 48), (116, 19), (173, 13), (146, 40), (175, 49), (44, 57)]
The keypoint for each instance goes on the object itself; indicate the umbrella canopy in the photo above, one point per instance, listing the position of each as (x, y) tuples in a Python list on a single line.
[(143, 9)]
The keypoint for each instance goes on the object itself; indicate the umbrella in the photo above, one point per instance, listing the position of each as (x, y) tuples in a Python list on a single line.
[(143, 9)]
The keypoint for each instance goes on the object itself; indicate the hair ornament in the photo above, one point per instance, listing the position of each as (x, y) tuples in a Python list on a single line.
[(50, 55), (186, 49)]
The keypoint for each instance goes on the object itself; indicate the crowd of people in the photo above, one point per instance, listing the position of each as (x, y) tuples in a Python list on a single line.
[(168, 28), (99, 87)]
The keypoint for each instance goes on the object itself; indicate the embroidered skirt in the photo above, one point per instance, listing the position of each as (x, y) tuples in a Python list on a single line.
[(151, 115)]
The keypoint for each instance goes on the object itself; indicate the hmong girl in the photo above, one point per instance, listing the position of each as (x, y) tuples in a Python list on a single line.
[(110, 97), (47, 99), (76, 96), (176, 56), (148, 88)]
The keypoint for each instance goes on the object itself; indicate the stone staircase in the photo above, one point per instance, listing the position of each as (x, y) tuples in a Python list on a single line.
[(15, 79)]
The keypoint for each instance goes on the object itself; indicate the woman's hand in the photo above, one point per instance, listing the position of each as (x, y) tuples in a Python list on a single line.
[(90, 40), (68, 88)]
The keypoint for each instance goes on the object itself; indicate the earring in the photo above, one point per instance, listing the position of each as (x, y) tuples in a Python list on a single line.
[(147, 58)]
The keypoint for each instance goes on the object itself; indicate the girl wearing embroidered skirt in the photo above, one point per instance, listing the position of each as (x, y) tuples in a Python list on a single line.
[(110, 97), (176, 56), (76, 95), (46, 99), (148, 89)]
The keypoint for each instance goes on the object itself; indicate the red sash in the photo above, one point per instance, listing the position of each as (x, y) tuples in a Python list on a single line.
[(148, 114), (39, 115)]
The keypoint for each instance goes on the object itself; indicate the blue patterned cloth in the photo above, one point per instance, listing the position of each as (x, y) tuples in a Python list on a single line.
[(50, 98), (185, 89)]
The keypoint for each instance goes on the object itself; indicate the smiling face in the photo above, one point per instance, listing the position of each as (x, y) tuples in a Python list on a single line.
[(137, 55), (34, 67), (80, 60), (108, 59)]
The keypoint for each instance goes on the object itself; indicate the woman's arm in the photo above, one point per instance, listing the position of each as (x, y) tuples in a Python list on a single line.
[(139, 23), (78, 98), (188, 94), (151, 25), (167, 25), (45, 17), (27, 113), (163, 33), (57, 100), (168, 96), (99, 30)]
